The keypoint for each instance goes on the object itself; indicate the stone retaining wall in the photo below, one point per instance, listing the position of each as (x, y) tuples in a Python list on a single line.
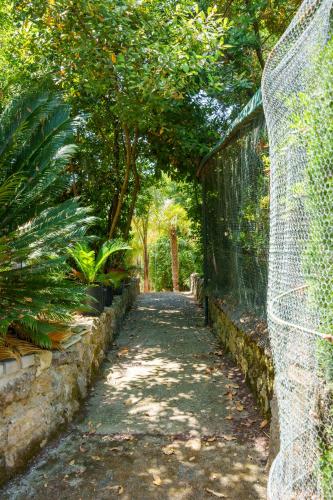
[(41, 393), (249, 351), (197, 287), (254, 359)]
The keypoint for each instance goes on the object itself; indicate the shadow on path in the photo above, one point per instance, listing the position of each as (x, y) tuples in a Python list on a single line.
[(168, 418)]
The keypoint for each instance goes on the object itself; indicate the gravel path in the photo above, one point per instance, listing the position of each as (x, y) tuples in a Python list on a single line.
[(168, 418)]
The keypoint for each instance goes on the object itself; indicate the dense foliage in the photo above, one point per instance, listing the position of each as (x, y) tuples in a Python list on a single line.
[(155, 82), (36, 296), (160, 263)]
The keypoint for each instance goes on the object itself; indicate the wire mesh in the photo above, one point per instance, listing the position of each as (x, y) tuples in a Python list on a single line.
[(235, 183), (297, 96)]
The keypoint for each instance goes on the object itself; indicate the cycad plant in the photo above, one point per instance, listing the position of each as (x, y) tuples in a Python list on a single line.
[(36, 296), (91, 266)]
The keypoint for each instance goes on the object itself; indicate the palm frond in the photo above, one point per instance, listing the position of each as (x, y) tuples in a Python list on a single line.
[(23, 112), (37, 299), (107, 249)]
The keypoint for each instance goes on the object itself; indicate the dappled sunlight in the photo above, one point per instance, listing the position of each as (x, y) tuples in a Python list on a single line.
[(156, 424), (161, 378), (169, 311)]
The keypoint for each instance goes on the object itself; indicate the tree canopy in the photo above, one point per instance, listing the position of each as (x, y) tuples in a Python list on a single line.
[(153, 82)]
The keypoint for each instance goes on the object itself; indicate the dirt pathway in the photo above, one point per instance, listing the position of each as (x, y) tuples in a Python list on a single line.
[(169, 418)]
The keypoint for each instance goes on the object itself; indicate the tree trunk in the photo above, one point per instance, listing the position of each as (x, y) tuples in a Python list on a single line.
[(141, 225), (130, 148), (146, 286), (112, 211), (133, 200), (256, 29), (174, 258)]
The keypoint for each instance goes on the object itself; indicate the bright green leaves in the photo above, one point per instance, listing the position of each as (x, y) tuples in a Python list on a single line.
[(90, 266), (141, 54)]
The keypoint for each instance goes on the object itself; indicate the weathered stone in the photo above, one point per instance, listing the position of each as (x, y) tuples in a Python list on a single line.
[(11, 366), (37, 400), (78, 328), (44, 360), (274, 442), (16, 387), (27, 361)]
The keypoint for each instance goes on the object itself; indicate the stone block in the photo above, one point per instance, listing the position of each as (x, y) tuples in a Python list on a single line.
[(27, 361), (44, 360), (11, 366)]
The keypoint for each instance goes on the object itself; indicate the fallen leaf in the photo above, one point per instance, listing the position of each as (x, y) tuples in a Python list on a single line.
[(229, 417), (191, 459), (117, 489), (168, 451), (117, 448), (227, 437), (82, 450), (122, 352), (218, 353), (95, 457), (263, 424), (211, 439), (239, 407), (72, 462), (215, 493), (157, 480), (229, 395), (128, 438)]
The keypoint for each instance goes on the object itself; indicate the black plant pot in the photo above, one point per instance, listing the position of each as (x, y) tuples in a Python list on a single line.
[(96, 299), (119, 290), (109, 292)]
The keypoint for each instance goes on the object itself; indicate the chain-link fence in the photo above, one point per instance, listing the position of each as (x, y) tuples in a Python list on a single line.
[(235, 180), (239, 207), (298, 103)]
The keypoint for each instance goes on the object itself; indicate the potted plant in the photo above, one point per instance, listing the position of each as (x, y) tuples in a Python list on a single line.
[(90, 271)]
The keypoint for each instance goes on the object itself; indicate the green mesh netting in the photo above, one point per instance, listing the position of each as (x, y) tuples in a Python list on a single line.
[(235, 179)]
